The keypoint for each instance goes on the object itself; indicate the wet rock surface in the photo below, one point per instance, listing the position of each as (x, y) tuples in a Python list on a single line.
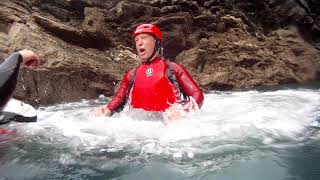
[(86, 45)]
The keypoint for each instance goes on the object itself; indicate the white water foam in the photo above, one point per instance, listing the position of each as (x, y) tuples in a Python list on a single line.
[(225, 121)]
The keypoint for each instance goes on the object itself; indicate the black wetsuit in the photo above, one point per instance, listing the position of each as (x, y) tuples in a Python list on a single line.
[(9, 70)]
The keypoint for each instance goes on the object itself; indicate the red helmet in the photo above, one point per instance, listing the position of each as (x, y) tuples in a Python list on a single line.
[(148, 28)]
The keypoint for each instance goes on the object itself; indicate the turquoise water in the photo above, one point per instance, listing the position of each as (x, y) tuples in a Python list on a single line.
[(252, 135)]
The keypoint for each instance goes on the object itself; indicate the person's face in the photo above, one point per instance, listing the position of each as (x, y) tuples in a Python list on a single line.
[(144, 45)]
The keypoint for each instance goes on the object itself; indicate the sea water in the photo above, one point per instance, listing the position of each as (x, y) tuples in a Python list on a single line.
[(251, 135)]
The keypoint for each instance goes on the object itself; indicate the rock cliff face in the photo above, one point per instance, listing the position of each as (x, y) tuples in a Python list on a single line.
[(85, 45)]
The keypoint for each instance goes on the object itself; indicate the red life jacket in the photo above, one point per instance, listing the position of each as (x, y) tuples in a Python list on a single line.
[(156, 88), (152, 90)]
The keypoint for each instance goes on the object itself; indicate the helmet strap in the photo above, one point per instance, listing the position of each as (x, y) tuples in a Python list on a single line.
[(161, 52)]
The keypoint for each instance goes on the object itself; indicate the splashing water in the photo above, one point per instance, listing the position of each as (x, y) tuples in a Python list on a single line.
[(236, 135)]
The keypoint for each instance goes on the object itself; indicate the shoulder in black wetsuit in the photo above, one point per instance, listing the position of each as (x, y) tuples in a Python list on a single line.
[(9, 70)]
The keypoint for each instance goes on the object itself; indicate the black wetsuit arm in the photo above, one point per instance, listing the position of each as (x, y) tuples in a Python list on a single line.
[(9, 70)]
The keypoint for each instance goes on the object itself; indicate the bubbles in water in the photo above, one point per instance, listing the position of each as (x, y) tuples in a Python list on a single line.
[(177, 156), (190, 155)]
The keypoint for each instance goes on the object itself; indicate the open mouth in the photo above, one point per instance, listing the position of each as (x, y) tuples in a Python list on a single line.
[(141, 50)]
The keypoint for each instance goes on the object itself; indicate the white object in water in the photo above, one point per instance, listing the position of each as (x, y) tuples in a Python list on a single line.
[(19, 111)]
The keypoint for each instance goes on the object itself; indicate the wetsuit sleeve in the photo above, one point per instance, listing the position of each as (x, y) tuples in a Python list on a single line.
[(188, 85), (9, 70), (121, 93)]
